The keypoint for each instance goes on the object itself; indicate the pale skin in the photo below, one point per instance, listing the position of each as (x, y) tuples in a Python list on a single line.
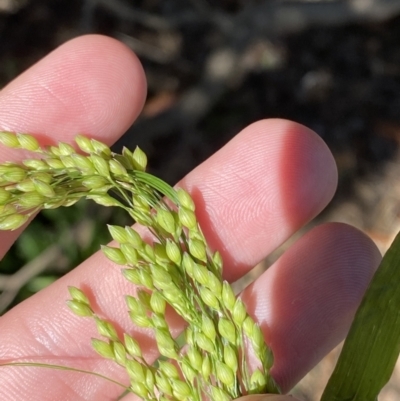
[(264, 185)]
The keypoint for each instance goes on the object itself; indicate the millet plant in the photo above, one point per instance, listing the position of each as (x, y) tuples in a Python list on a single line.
[(221, 354), (176, 268)]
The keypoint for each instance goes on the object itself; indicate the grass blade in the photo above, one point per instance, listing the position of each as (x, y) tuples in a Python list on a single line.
[(372, 346)]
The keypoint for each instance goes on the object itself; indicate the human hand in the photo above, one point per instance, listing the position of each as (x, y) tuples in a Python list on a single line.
[(253, 194)]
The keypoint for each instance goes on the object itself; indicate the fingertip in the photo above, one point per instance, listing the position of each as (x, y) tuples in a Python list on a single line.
[(306, 301), (91, 84), (265, 184)]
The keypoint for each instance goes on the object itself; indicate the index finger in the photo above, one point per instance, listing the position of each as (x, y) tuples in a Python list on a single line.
[(92, 85)]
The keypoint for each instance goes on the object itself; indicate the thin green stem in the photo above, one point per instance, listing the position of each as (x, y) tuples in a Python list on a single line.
[(68, 368)]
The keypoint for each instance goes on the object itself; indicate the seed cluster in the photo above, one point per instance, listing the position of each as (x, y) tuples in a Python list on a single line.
[(177, 269)]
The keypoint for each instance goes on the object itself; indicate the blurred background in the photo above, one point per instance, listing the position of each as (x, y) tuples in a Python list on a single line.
[(213, 67)]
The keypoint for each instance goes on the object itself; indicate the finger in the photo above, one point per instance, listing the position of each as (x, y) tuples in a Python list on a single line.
[(260, 189), (236, 195), (92, 85), (306, 301)]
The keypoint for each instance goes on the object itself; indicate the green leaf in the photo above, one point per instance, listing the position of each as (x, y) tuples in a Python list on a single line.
[(373, 344)]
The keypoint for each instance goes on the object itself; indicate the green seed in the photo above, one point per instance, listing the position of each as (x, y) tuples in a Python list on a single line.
[(180, 389), (161, 278), (204, 342), (103, 348), (139, 320), (134, 305), (119, 353), (139, 389), (159, 322), (157, 302), (84, 144), (214, 284), (257, 381), (149, 379), (14, 174), (118, 233), (9, 139), (105, 200), (132, 346), (83, 163), (200, 274), (209, 298), (80, 308), (35, 164), (4, 196), (28, 142), (217, 260), (248, 326), (208, 328), (187, 218), (219, 395), (132, 275), (55, 164), (169, 370), (130, 253), (139, 159), (166, 220), (68, 161), (100, 165), (135, 370), (166, 344), (114, 254), (188, 264), (26, 186), (173, 252), (163, 383), (227, 330), (185, 199), (117, 168), (195, 358), (197, 249), (188, 372), (206, 367), (13, 221), (31, 199), (146, 279), (65, 149), (43, 188), (101, 148), (78, 295), (144, 298), (161, 254), (239, 312), (134, 238), (225, 374), (106, 329), (228, 297), (230, 357)]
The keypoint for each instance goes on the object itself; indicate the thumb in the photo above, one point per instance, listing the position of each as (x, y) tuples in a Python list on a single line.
[(267, 397)]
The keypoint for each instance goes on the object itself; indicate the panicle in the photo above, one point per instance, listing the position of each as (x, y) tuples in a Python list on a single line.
[(173, 267)]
